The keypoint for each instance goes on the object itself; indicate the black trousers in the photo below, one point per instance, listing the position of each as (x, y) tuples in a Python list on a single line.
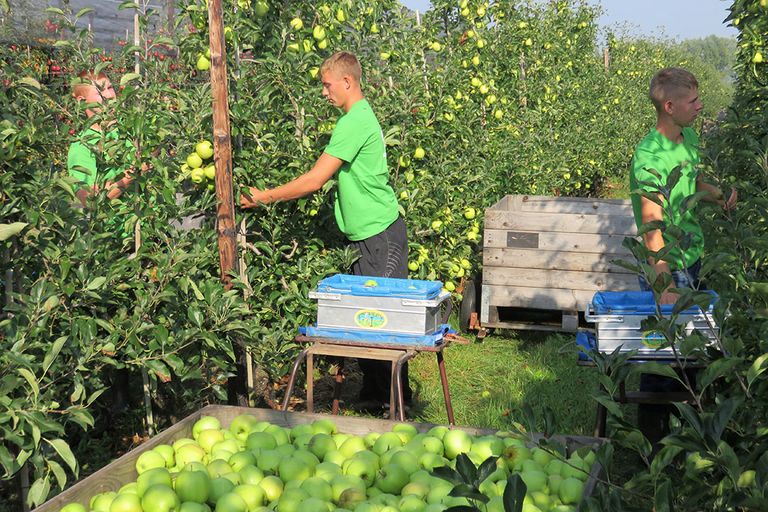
[(382, 255)]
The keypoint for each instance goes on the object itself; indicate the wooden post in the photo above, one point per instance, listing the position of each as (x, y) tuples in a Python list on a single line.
[(423, 58), (606, 58), (222, 154)]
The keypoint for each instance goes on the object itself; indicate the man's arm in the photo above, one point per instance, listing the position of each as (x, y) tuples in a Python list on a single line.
[(308, 183), (654, 241), (114, 188), (715, 195)]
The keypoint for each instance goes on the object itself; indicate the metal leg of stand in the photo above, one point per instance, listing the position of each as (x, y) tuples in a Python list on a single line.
[(310, 382), (446, 391), (397, 383), (292, 379)]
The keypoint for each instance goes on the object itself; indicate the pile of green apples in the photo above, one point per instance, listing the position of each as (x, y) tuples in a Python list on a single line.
[(256, 466), (198, 166)]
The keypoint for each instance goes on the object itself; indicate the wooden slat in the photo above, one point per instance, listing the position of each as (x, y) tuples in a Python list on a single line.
[(553, 260), (585, 205), (537, 298), (571, 242), (561, 222), (544, 280), (326, 349), (122, 470)]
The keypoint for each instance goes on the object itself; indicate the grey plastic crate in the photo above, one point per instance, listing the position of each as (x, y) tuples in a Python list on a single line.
[(624, 330), (379, 314)]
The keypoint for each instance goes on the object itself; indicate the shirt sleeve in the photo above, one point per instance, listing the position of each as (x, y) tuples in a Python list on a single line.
[(81, 165), (644, 164), (345, 142)]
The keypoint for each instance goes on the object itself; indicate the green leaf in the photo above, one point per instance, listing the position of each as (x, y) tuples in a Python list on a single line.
[(488, 466), (83, 12), (39, 491), (468, 491), (446, 473), (36, 435), (53, 353), (655, 368), (514, 493), (129, 77), (662, 498), (196, 290), (9, 230), (59, 473), (717, 369), (466, 468), (757, 368), (664, 458), (55, 10), (691, 416), (31, 82), (96, 283), (31, 380), (62, 448)]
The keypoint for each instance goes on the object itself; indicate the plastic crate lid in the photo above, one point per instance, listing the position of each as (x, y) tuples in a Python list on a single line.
[(380, 286), (606, 303)]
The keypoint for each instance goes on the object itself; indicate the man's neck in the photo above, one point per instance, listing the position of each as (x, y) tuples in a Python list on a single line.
[(353, 98), (670, 130)]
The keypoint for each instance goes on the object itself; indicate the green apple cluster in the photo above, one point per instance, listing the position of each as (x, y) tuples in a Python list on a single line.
[(198, 166), (256, 466)]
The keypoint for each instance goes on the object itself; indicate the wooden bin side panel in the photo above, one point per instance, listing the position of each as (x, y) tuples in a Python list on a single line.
[(565, 205), (496, 257), (122, 470), (536, 298), (557, 279), (561, 222)]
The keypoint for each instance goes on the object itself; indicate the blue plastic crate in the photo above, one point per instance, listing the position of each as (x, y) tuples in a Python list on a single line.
[(366, 286), (637, 303)]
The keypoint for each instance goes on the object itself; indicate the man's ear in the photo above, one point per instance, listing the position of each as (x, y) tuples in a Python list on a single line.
[(668, 106)]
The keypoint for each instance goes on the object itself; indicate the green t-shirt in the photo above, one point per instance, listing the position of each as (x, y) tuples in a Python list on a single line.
[(365, 203), (81, 160), (657, 152)]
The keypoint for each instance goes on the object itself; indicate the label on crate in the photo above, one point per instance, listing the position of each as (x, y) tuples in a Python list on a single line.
[(370, 319), (653, 339)]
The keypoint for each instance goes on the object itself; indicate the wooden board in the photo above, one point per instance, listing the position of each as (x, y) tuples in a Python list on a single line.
[(553, 260), (122, 470), (559, 222), (536, 298), (560, 279), (549, 241), (564, 205)]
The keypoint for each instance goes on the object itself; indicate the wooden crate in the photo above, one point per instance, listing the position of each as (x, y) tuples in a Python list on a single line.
[(122, 470), (552, 253)]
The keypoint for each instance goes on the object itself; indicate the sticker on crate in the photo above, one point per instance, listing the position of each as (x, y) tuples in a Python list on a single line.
[(370, 319)]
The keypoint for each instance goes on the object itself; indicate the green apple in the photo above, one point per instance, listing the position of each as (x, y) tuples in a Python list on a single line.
[(515, 455), (308, 457), (351, 446), (294, 468), (534, 480), (360, 468), (303, 429), (260, 440), (281, 434), (191, 506), (217, 468), (193, 486), (343, 483), (411, 503), (419, 489), (154, 476), (204, 149), (184, 440), (160, 498), (541, 456), (432, 444), (203, 64), (320, 444), (324, 426), (418, 153), (102, 501), (297, 24), (73, 507), (350, 498), (406, 460), (250, 474), (149, 460), (391, 478), (205, 422), (318, 32), (405, 431), (188, 453), (386, 442), (318, 487), (313, 504), (219, 487), (327, 471), (242, 459), (129, 488), (231, 502), (456, 442), (195, 466), (438, 431), (208, 438), (430, 461), (272, 486), (571, 490), (335, 457), (553, 483), (252, 495)]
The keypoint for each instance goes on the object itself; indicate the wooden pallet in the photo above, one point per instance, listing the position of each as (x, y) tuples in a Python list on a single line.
[(552, 254)]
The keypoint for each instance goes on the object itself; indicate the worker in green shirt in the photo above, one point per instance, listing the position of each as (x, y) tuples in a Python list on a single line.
[(672, 143), (365, 205), (94, 90)]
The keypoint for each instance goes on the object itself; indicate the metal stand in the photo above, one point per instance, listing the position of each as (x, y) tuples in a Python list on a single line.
[(397, 355)]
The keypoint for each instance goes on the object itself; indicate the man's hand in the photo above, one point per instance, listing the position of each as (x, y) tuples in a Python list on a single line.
[(731, 202), (668, 297), (253, 198)]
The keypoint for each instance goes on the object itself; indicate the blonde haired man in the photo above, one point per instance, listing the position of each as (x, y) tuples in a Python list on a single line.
[(94, 90), (674, 93), (365, 206)]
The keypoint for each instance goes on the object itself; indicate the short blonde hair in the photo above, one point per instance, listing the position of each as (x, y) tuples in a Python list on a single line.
[(667, 84), (344, 63), (86, 79)]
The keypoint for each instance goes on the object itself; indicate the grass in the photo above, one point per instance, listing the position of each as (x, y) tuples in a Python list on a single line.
[(514, 368)]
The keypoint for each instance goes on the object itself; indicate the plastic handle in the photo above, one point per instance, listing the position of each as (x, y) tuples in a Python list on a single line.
[(326, 296), (591, 317)]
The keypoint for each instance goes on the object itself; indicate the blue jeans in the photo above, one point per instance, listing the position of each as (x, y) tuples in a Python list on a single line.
[(688, 278)]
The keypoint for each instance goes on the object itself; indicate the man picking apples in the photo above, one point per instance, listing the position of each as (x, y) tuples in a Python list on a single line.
[(365, 205), (94, 90)]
